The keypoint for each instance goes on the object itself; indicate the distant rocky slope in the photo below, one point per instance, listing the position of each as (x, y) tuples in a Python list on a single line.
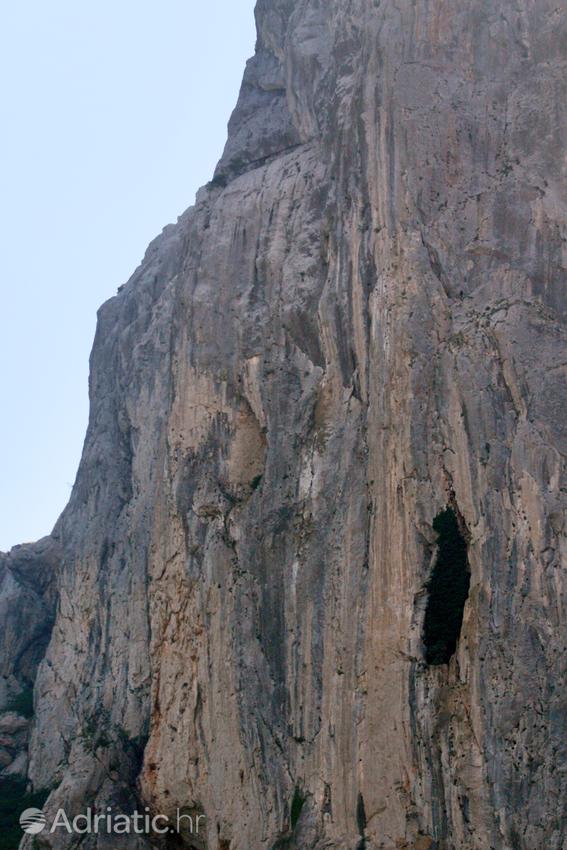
[(311, 582)]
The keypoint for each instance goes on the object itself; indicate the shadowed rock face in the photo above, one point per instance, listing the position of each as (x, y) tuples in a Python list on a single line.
[(359, 324)]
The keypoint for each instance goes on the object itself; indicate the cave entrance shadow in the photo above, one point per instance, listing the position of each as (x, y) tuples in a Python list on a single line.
[(448, 589)]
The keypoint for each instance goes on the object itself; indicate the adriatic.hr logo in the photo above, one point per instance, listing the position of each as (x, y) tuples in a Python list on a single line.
[(92, 821), (33, 821)]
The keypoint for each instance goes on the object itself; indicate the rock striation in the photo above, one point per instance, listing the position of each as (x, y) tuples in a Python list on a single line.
[(359, 326)]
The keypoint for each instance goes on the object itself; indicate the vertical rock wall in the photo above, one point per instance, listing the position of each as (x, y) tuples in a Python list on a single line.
[(359, 323)]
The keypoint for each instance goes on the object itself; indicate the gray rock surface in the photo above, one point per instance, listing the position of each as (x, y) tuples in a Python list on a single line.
[(360, 321)]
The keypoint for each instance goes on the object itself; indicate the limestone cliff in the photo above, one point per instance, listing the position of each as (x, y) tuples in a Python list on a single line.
[(359, 326)]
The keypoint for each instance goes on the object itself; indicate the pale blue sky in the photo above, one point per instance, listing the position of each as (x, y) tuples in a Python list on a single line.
[(114, 113)]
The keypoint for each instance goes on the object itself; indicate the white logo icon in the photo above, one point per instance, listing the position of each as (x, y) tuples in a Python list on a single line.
[(32, 821)]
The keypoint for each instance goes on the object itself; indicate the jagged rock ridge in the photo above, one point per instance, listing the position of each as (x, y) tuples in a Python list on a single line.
[(359, 325)]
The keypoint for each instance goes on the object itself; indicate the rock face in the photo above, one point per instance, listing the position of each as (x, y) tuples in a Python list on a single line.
[(360, 324)]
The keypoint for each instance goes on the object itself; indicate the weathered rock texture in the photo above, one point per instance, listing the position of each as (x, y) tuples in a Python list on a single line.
[(360, 322)]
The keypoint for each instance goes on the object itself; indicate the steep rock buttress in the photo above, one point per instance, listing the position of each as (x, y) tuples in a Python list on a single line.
[(358, 329)]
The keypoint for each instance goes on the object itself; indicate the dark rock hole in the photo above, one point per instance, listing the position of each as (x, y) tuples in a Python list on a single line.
[(448, 589), (296, 807)]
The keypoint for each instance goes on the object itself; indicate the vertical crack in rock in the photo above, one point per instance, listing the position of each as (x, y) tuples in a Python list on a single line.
[(361, 822)]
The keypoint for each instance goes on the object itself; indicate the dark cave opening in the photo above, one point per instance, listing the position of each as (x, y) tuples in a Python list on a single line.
[(448, 589), (296, 807)]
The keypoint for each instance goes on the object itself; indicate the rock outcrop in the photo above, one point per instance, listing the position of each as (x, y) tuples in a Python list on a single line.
[(359, 326)]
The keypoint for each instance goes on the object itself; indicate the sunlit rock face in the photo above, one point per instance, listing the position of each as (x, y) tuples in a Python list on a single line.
[(359, 326)]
